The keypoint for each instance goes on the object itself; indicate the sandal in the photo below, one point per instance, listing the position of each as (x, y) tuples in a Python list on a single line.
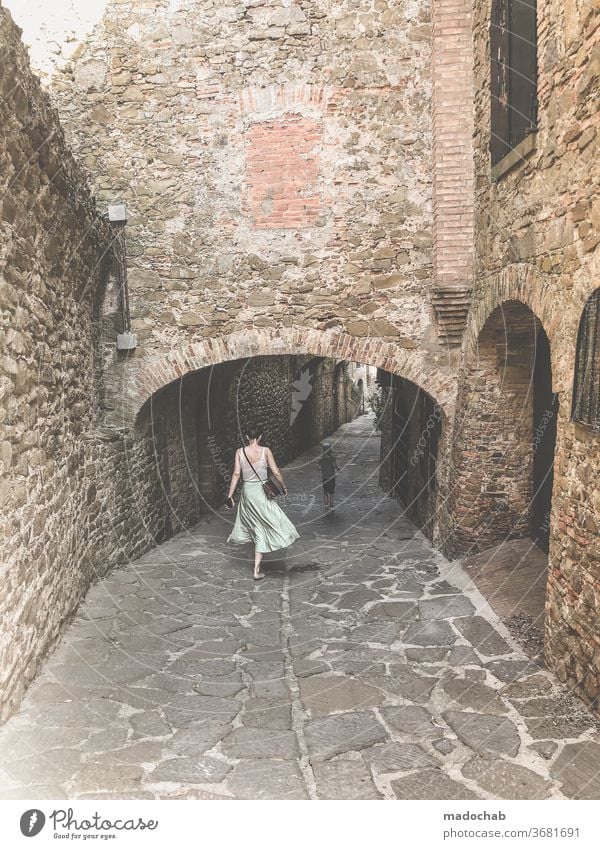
[(259, 577)]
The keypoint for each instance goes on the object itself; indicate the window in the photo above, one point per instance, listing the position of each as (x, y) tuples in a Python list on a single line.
[(586, 386), (513, 74)]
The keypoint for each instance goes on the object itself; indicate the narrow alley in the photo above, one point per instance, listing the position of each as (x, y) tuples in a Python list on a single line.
[(365, 666)]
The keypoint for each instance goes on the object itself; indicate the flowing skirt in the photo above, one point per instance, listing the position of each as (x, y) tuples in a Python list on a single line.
[(261, 521)]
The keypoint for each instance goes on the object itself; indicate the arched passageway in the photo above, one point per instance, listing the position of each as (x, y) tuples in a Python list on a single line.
[(499, 502), (197, 422), (503, 442), (140, 378), (362, 640), (193, 426)]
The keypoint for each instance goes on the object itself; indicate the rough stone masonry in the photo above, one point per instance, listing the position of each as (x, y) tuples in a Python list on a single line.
[(276, 161), (79, 497), (302, 179), (537, 263)]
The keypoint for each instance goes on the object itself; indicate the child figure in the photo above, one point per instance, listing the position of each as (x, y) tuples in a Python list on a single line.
[(328, 465)]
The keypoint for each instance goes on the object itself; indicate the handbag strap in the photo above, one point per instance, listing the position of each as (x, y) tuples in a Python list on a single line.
[(251, 466)]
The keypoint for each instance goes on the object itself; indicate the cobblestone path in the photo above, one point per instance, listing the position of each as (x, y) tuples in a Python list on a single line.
[(364, 666)]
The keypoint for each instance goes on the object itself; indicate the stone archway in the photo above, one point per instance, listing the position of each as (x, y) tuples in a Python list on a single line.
[(514, 283), (521, 282), (141, 377), (498, 514), (504, 432), (169, 397)]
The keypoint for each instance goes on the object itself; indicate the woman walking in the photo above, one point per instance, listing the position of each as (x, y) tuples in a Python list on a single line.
[(259, 520), (328, 465)]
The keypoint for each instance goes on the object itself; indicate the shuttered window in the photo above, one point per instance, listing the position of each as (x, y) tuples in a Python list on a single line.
[(513, 74), (586, 386)]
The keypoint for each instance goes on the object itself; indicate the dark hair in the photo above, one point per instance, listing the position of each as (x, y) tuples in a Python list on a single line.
[(253, 433)]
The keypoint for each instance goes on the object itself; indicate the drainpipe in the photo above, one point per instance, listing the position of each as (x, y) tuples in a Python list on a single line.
[(117, 217)]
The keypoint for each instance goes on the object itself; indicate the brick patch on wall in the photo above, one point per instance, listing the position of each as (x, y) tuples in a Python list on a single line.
[(282, 169)]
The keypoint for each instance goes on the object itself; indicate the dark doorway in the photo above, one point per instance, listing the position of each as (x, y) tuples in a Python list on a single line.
[(545, 413)]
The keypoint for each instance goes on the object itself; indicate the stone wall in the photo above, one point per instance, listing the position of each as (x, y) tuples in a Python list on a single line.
[(171, 417), (537, 235), (491, 481), (276, 160), (52, 247), (332, 402), (79, 498), (411, 437), (255, 392)]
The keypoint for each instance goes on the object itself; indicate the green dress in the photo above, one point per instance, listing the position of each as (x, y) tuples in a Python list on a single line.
[(260, 520)]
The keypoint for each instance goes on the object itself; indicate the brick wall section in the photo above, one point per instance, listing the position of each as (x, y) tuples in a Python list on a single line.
[(282, 171), (453, 179)]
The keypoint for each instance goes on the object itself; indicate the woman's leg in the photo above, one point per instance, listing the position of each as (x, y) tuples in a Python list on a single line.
[(257, 560)]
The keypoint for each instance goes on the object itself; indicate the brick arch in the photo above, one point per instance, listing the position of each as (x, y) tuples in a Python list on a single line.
[(147, 376), (524, 284), (507, 418), (513, 283)]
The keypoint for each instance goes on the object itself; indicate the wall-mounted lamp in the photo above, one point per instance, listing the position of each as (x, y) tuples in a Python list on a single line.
[(117, 216)]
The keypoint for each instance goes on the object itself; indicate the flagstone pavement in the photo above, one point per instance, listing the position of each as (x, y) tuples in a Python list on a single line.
[(365, 666)]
